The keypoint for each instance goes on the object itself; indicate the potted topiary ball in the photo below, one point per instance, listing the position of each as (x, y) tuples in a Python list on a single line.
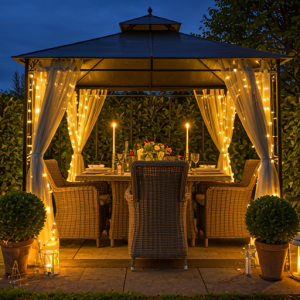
[(274, 222), (22, 217)]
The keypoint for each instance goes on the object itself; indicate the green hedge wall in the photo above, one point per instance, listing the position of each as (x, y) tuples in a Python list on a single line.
[(151, 117), (290, 116), (11, 143)]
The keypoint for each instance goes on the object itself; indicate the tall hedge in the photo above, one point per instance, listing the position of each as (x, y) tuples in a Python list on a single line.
[(160, 117), (290, 115), (11, 143)]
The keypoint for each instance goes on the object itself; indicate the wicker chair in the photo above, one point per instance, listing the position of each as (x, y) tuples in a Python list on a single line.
[(81, 207), (221, 207), (157, 210)]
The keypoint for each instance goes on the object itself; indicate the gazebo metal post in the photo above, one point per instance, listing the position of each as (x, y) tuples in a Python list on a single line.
[(25, 108), (96, 142), (279, 138)]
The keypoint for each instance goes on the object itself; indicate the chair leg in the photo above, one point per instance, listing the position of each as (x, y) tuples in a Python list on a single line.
[(98, 242), (112, 242), (185, 267), (132, 263), (206, 243), (192, 242)]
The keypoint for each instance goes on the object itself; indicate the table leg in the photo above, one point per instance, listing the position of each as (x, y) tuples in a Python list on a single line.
[(191, 232)]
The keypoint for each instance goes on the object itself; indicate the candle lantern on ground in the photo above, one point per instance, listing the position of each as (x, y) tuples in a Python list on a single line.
[(51, 263), (295, 258), (50, 254)]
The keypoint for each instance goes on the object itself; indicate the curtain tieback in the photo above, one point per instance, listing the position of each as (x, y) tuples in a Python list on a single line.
[(36, 154), (267, 159)]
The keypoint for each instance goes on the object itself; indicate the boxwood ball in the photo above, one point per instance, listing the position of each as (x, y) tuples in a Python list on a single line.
[(22, 216)]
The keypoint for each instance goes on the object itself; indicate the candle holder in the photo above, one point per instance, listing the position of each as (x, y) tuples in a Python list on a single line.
[(51, 263), (113, 162), (187, 156), (250, 251)]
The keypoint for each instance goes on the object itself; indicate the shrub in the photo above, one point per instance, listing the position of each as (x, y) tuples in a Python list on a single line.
[(272, 220), (11, 141), (22, 216)]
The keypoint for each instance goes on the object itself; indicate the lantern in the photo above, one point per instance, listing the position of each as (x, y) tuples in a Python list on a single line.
[(250, 251), (50, 254), (51, 263), (295, 258)]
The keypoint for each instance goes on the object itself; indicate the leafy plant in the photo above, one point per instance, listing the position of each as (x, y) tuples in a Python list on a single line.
[(22, 216), (11, 143), (273, 220)]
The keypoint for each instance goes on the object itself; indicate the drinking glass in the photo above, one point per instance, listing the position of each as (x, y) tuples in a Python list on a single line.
[(120, 157), (195, 158)]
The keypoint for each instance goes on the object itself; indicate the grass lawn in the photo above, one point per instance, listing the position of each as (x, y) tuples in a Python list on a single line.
[(12, 294)]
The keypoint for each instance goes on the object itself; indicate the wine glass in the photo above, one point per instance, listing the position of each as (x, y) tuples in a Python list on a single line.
[(195, 158), (120, 157)]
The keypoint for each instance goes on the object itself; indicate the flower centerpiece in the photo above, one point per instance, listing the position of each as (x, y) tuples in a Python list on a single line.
[(153, 151)]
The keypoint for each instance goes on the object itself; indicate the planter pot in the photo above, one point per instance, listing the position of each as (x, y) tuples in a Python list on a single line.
[(19, 252), (271, 260)]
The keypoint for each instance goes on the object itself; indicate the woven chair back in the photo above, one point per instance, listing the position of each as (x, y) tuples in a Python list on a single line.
[(158, 212), (160, 178), (54, 176), (250, 169)]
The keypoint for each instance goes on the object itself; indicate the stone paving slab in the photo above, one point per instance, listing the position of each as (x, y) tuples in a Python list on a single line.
[(164, 281), (157, 281), (227, 280), (286, 286)]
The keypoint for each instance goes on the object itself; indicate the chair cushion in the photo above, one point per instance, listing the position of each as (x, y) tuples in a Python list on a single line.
[(200, 198), (104, 199)]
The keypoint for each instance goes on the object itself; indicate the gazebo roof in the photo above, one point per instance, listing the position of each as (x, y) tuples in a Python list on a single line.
[(155, 54), (150, 22)]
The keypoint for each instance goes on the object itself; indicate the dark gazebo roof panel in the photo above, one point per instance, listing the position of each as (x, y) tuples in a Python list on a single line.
[(150, 44)]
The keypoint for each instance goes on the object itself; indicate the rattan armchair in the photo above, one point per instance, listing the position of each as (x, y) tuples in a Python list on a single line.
[(81, 207), (157, 210), (221, 207)]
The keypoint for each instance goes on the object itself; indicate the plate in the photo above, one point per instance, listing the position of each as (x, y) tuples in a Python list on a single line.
[(91, 170), (96, 166)]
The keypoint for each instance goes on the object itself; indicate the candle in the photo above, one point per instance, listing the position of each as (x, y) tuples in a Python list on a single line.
[(187, 141), (114, 138), (114, 146)]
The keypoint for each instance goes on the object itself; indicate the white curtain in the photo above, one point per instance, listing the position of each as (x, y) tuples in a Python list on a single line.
[(82, 116), (52, 88), (253, 108), (218, 113)]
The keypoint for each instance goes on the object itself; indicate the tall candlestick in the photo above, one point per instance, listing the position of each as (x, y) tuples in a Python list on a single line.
[(114, 146), (187, 141)]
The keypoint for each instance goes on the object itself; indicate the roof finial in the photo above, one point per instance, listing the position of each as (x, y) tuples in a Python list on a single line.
[(150, 10)]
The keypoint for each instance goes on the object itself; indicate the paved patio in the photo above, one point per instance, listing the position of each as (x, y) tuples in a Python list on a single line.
[(217, 269), (84, 253), (159, 281)]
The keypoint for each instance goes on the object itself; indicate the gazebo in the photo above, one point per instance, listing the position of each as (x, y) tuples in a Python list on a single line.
[(150, 54)]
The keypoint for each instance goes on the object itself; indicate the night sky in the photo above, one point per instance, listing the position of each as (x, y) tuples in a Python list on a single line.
[(31, 25)]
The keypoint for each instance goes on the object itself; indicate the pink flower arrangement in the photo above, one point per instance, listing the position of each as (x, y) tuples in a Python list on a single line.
[(152, 149)]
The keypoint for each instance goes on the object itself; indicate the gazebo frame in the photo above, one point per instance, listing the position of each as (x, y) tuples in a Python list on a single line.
[(158, 58)]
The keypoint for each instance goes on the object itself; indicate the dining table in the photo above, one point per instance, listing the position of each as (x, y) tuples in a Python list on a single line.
[(119, 222)]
